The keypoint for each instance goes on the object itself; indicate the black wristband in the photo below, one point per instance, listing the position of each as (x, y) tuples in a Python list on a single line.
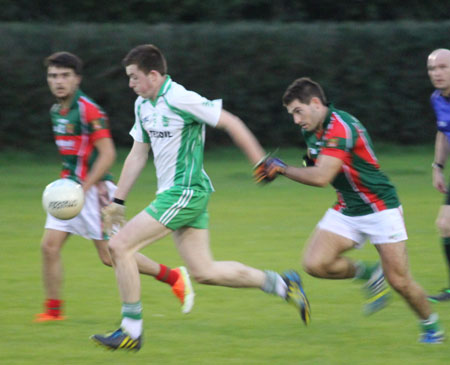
[(119, 201), (435, 165)]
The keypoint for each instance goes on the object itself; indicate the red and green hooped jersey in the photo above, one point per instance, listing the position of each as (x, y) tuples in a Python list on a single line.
[(360, 185), (75, 130)]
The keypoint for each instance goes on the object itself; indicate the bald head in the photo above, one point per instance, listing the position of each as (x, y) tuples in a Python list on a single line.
[(438, 65), (441, 53)]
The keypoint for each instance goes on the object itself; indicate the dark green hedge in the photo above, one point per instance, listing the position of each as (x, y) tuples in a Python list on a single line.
[(192, 11), (376, 71)]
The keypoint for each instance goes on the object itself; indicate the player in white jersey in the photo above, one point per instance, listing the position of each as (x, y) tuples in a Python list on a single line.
[(171, 121), (88, 164)]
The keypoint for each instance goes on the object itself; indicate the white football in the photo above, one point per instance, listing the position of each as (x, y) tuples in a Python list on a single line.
[(63, 198)]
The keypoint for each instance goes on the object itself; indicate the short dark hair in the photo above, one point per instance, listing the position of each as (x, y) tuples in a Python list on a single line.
[(146, 57), (304, 89), (65, 59)]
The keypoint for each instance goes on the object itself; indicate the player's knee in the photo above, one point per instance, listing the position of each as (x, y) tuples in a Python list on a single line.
[(204, 275), (400, 286), (313, 267), (400, 283), (106, 260), (443, 226), (117, 248), (202, 278), (49, 249), (103, 253)]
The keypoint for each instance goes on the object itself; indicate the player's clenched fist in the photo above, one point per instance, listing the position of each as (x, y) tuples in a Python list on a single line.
[(268, 168)]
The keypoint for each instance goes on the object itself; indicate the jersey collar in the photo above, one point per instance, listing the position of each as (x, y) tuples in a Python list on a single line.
[(163, 90), (328, 116), (73, 102), (75, 98)]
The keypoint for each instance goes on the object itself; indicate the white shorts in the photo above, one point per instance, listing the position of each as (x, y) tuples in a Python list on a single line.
[(386, 226), (88, 223)]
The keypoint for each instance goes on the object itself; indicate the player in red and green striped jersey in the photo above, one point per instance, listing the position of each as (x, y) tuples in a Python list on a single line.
[(367, 204), (84, 141)]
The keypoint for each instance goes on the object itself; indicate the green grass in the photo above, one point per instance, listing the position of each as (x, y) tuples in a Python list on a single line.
[(265, 227)]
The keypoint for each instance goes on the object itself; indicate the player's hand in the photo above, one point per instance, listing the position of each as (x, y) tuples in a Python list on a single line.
[(274, 167), (258, 170), (113, 216), (268, 169), (439, 181)]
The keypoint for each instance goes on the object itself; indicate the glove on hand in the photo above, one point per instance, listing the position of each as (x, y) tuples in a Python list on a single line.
[(268, 168), (273, 167), (113, 216), (258, 170)]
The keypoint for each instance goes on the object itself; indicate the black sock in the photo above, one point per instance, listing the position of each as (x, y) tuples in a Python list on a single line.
[(446, 241)]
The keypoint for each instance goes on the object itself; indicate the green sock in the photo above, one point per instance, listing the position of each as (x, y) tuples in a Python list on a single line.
[(365, 269), (132, 310), (431, 324)]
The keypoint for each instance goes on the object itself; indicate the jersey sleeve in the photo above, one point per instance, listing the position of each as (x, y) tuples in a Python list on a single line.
[(137, 131), (338, 140), (97, 121), (198, 108)]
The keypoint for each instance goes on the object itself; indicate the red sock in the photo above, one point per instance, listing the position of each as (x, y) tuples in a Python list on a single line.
[(53, 307), (166, 275)]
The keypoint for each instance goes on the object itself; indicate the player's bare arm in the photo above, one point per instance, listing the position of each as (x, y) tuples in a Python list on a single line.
[(114, 214), (132, 168), (323, 173), (241, 136), (442, 149), (105, 159)]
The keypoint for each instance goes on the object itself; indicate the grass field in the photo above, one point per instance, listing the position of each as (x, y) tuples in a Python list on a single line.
[(265, 227)]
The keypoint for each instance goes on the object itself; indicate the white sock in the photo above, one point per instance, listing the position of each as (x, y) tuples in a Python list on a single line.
[(274, 284), (132, 326), (281, 287), (433, 318)]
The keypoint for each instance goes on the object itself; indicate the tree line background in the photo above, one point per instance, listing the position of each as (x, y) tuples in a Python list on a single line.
[(374, 69)]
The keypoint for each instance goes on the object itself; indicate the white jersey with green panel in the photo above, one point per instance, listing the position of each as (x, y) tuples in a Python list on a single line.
[(174, 125)]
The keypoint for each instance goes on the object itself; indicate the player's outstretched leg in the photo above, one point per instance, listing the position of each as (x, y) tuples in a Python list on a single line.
[(443, 296), (183, 290), (296, 295), (118, 340), (377, 292)]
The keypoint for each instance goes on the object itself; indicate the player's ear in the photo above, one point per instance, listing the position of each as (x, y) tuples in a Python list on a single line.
[(154, 75), (315, 102)]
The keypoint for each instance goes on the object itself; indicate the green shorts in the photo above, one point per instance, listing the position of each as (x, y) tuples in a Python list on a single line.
[(178, 207)]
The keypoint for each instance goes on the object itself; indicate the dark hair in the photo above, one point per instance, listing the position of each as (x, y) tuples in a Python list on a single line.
[(65, 59), (146, 57), (304, 89)]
